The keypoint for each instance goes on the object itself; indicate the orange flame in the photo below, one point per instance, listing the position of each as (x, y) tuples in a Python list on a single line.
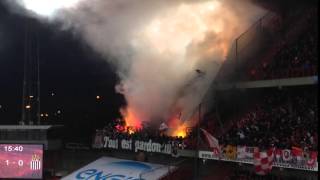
[(180, 131), (131, 131), (133, 123), (178, 127)]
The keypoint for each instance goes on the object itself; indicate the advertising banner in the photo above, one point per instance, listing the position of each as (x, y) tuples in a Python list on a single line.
[(230, 152), (282, 158), (113, 168), (286, 158)]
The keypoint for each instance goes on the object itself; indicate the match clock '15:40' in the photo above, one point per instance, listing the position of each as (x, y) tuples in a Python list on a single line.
[(21, 161)]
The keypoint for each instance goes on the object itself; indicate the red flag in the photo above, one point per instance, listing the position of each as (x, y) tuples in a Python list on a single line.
[(213, 142), (313, 158), (278, 154), (263, 161), (297, 152)]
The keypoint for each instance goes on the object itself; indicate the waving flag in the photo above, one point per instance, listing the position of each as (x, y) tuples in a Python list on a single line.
[(312, 158), (163, 127), (213, 142)]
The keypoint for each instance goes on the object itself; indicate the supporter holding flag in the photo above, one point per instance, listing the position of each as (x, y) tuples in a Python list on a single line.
[(163, 128)]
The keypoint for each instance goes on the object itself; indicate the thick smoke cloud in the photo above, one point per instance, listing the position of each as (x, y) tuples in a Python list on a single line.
[(166, 52)]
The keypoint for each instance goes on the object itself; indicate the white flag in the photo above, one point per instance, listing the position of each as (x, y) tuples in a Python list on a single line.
[(163, 126), (241, 152), (213, 142)]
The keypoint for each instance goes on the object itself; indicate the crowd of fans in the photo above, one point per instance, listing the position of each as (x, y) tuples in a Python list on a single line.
[(295, 59), (282, 119)]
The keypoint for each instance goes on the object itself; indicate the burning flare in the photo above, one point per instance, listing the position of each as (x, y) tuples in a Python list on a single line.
[(180, 131), (132, 122), (177, 127)]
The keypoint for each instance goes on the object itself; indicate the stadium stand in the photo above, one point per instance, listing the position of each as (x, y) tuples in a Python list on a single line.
[(280, 118), (292, 59)]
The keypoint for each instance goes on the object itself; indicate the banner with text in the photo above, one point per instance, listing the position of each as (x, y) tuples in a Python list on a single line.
[(132, 145), (282, 157)]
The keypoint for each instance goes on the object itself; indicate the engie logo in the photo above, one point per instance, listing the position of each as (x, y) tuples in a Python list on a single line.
[(116, 171)]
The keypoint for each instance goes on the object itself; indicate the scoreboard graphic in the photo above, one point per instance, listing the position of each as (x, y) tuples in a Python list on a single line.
[(21, 161)]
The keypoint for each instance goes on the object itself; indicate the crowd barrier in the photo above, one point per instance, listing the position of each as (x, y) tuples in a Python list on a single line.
[(284, 158)]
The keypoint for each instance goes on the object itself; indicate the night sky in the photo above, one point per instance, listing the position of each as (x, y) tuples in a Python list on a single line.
[(68, 68)]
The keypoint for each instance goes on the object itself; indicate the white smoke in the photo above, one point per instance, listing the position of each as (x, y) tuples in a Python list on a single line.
[(166, 51)]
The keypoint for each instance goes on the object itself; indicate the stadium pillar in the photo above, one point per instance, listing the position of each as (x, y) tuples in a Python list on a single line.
[(31, 77), (196, 161)]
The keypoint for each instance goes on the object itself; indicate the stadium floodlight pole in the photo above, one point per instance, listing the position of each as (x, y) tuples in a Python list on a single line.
[(38, 78), (24, 86)]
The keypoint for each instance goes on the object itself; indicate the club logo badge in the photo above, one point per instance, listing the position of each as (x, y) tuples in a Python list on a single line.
[(35, 163)]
